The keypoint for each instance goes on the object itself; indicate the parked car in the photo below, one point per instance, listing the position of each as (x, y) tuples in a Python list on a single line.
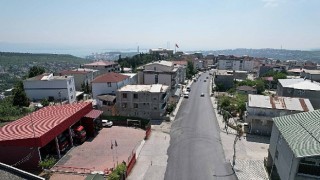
[(204, 80), (186, 95), (202, 95), (107, 123)]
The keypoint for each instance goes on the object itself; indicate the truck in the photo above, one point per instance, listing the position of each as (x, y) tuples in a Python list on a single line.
[(79, 134)]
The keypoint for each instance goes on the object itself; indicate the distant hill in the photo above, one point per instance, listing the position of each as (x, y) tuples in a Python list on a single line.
[(281, 54), (13, 58)]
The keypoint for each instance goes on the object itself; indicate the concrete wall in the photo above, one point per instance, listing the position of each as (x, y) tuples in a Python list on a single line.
[(158, 68)]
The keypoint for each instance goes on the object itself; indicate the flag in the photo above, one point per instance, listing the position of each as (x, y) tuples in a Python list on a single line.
[(115, 143), (177, 46), (111, 145)]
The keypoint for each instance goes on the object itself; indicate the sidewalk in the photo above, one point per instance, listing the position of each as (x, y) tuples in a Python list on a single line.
[(152, 160), (250, 150)]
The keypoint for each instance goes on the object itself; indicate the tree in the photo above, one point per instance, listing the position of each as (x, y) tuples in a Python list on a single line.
[(19, 96), (35, 71), (190, 71), (45, 102)]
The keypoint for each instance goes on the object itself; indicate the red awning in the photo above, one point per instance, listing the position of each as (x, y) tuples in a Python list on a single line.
[(93, 114)]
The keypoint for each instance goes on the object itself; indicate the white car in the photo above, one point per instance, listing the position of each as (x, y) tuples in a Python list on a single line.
[(106, 123), (186, 95)]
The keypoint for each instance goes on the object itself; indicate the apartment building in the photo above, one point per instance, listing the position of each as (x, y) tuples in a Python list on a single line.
[(294, 148), (82, 76), (162, 72), (145, 101), (261, 109), (161, 52), (300, 88), (103, 66), (235, 63), (53, 88), (108, 83)]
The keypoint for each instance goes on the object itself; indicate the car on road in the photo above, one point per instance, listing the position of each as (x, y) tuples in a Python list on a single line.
[(204, 80), (186, 95), (202, 95), (107, 123)]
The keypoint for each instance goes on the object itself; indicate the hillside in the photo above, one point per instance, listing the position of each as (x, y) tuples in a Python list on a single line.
[(281, 54), (15, 66)]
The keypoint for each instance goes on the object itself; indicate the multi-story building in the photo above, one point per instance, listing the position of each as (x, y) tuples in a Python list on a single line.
[(52, 88), (223, 79), (300, 88), (313, 75), (261, 109), (294, 149), (108, 83), (161, 72), (244, 63), (103, 66), (81, 76), (145, 101)]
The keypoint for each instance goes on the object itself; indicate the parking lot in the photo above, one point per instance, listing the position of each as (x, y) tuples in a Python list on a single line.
[(96, 154)]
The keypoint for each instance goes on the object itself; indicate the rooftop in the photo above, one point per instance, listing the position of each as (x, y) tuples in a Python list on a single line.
[(37, 124), (164, 63), (77, 71), (110, 77), (300, 83), (277, 102), (301, 132), (154, 88), (47, 77)]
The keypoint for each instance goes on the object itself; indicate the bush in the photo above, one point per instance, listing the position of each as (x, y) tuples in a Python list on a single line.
[(118, 172), (171, 108), (47, 163)]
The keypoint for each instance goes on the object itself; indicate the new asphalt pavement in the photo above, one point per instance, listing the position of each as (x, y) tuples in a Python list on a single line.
[(195, 150)]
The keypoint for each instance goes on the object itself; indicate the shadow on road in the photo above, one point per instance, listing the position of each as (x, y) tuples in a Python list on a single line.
[(258, 139)]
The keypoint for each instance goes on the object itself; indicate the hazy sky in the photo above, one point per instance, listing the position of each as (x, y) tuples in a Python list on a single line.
[(193, 25)]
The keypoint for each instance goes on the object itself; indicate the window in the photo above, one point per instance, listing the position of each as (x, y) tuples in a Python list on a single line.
[(124, 105), (154, 68), (124, 95), (70, 89), (135, 105), (135, 96), (71, 97), (156, 79), (277, 154), (109, 84), (155, 108)]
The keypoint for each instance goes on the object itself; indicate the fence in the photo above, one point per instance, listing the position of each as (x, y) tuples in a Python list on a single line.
[(70, 169)]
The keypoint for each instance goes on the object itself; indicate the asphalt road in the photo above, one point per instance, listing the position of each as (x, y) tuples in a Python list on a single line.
[(195, 150)]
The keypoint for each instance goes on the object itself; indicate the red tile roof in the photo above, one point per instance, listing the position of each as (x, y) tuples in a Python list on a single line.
[(101, 63), (94, 114), (40, 127), (110, 77), (180, 62)]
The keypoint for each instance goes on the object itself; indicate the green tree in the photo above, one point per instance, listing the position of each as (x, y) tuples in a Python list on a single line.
[(118, 172), (190, 71), (35, 71), (45, 102), (19, 96)]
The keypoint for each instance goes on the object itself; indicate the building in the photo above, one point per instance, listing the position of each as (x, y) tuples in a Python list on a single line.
[(313, 75), (261, 109), (81, 76), (161, 72), (246, 90), (108, 83), (294, 149), (133, 77), (300, 88), (224, 80), (145, 101), (103, 66), (32, 136), (12, 173), (161, 52), (243, 63), (53, 88)]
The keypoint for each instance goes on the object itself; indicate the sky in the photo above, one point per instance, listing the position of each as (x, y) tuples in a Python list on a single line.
[(97, 25)]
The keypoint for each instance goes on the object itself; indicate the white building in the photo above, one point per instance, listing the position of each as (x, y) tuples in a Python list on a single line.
[(161, 72), (47, 86), (82, 76), (236, 64), (261, 109), (103, 66), (294, 151), (108, 83), (145, 101)]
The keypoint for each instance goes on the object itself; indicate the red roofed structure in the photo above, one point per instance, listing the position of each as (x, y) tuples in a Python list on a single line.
[(29, 134), (103, 66), (110, 77)]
